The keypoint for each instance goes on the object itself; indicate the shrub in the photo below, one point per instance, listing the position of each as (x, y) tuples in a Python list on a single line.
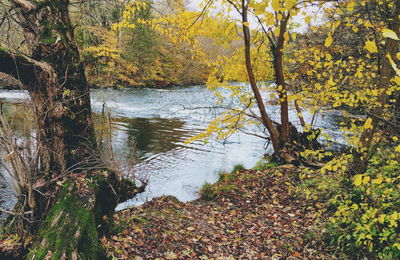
[(366, 220), (207, 192), (237, 168), (363, 210), (264, 164)]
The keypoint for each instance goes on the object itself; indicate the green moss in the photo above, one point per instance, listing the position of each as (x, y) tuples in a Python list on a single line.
[(47, 36), (89, 244), (96, 181), (60, 231)]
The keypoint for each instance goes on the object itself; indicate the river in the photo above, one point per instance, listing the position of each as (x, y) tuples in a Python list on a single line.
[(149, 129)]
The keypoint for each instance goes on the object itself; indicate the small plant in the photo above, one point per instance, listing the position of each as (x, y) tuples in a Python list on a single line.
[(207, 192), (223, 185), (237, 167), (228, 176), (263, 165)]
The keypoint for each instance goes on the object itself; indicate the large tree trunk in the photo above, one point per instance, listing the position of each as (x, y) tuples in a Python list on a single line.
[(67, 198), (82, 213)]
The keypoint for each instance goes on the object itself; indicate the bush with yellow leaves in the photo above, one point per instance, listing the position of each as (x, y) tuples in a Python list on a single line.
[(367, 217), (361, 214)]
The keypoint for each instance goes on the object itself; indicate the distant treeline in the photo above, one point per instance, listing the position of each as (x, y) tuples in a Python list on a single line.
[(135, 56)]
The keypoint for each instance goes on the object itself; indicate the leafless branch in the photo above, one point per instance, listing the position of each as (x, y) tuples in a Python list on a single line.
[(27, 6), (201, 13)]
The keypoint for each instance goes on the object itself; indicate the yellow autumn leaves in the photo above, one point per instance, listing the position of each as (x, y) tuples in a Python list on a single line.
[(361, 179), (368, 123), (328, 40), (387, 33), (371, 46)]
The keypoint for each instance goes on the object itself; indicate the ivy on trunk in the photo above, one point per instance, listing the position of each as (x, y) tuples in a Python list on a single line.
[(69, 202)]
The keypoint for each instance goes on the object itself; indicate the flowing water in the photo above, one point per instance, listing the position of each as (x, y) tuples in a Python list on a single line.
[(149, 129)]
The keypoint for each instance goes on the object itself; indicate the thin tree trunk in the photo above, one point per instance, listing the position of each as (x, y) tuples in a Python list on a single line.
[(361, 156), (299, 113), (279, 134), (280, 80), (267, 122), (396, 113)]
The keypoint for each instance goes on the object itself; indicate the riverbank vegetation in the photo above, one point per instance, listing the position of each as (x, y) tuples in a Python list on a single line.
[(313, 197)]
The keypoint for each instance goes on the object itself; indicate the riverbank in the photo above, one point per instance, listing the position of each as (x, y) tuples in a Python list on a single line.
[(9, 83), (247, 214)]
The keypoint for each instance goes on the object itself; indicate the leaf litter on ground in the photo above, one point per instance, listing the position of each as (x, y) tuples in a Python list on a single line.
[(257, 218)]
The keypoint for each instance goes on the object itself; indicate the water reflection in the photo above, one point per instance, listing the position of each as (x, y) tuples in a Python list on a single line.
[(148, 129), (150, 136)]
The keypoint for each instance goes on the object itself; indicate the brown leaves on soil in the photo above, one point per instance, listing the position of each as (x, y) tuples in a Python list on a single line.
[(259, 219)]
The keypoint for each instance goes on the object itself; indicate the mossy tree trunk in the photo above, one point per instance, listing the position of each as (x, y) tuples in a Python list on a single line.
[(68, 200), (80, 217)]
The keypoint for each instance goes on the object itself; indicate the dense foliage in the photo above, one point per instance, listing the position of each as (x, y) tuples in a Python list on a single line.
[(125, 49), (348, 62), (262, 60)]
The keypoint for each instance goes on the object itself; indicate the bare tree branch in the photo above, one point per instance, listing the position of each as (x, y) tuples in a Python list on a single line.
[(201, 13), (25, 5)]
